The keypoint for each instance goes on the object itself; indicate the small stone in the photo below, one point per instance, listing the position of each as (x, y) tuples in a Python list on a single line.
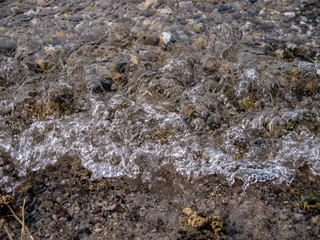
[(150, 40), (290, 14), (32, 65), (98, 230), (47, 204), (146, 22), (112, 207), (164, 11), (7, 45), (308, 12), (298, 216), (289, 214), (314, 220), (283, 217), (147, 4), (197, 28), (134, 60), (311, 198), (54, 217), (77, 209), (275, 17), (95, 84), (149, 56), (185, 5), (279, 53), (98, 225), (201, 43), (262, 12), (166, 36)]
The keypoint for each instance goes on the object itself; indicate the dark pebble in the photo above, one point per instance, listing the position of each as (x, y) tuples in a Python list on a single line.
[(96, 211), (5, 82), (7, 45), (225, 8), (24, 18), (33, 66), (96, 84), (312, 198), (146, 13)]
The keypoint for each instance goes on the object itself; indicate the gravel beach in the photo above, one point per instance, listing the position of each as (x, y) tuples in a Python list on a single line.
[(160, 119)]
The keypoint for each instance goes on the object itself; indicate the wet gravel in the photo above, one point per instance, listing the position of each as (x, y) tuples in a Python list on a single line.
[(63, 203), (115, 116)]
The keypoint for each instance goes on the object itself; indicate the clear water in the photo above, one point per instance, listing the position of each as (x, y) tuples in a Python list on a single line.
[(172, 117)]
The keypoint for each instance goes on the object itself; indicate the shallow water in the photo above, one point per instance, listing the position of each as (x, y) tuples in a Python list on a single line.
[(214, 101)]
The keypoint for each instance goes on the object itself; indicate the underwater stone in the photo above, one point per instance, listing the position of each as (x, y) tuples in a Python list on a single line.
[(7, 45), (95, 84), (32, 65), (298, 216), (311, 198)]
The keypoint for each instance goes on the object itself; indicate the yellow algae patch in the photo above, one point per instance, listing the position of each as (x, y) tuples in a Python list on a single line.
[(210, 227)]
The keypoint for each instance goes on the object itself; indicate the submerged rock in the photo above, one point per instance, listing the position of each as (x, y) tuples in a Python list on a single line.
[(96, 84), (7, 45)]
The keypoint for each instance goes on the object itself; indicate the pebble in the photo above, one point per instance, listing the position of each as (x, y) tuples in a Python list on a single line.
[(32, 65), (7, 45), (112, 207), (47, 204), (201, 43), (314, 220), (147, 4), (165, 11), (262, 12), (98, 225), (311, 198), (283, 217), (298, 216), (95, 84), (150, 39), (166, 36), (290, 14), (193, 37)]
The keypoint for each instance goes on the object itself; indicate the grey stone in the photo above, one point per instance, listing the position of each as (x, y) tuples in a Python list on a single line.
[(298, 216), (7, 45)]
